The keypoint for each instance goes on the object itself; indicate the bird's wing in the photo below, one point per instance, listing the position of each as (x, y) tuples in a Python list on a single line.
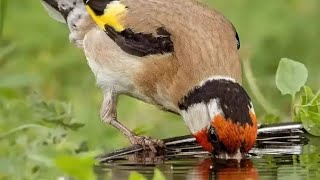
[(112, 15)]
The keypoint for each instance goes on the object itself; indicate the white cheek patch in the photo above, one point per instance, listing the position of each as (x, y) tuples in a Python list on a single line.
[(199, 116), (196, 117), (214, 108)]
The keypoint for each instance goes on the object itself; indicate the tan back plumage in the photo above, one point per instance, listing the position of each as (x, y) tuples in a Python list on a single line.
[(204, 43)]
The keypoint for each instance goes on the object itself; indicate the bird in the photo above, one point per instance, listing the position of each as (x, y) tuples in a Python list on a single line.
[(179, 55)]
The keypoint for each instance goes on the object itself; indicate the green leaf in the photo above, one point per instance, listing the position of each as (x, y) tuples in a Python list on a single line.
[(308, 93), (309, 111), (309, 96), (158, 175), (136, 176), (311, 122), (291, 76), (79, 167), (55, 113)]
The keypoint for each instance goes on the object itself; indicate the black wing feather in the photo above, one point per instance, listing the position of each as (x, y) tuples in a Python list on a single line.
[(140, 44), (98, 6), (137, 44)]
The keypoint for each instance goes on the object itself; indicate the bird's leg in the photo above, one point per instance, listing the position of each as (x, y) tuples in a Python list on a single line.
[(108, 115)]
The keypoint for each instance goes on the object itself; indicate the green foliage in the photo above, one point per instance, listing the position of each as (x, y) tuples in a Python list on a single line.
[(158, 175), (308, 111), (35, 56), (291, 76), (32, 146), (55, 113), (136, 176), (79, 167)]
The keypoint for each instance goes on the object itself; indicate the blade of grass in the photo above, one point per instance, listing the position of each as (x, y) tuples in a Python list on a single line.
[(3, 8), (5, 51), (20, 128), (265, 104)]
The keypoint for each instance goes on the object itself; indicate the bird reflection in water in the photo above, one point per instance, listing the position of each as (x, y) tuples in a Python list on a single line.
[(201, 167), (224, 170)]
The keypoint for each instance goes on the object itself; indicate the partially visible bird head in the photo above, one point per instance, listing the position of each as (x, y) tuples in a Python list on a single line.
[(60, 9), (220, 115)]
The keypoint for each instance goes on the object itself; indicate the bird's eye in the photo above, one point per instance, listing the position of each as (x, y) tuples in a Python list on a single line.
[(212, 135)]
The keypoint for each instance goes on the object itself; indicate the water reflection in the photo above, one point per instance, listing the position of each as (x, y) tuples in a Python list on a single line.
[(224, 170), (280, 153), (306, 166), (187, 168)]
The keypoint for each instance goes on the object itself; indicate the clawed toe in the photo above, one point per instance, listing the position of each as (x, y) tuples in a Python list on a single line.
[(148, 143)]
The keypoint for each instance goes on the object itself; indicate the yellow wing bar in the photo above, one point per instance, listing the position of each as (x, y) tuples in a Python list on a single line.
[(111, 16)]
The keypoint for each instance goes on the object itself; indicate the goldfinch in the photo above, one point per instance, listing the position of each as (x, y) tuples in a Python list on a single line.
[(176, 54)]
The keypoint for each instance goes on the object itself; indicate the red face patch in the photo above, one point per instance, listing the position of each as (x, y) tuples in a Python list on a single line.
[(233, 136), (236, 136), (202, 139)]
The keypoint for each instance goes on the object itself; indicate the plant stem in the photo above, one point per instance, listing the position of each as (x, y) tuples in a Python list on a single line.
[(314, 98), (293, 114), (310, 103), (307, 105), (3, 7), (255, 89), (20, 128)]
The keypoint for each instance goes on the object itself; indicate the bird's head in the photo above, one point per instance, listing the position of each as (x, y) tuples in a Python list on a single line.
[(60, 9), (220, 115)]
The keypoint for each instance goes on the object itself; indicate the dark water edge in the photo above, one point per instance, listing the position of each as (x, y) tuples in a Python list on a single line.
[(281, 154)]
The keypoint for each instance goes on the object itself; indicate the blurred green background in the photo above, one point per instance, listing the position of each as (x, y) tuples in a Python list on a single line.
[(37, 60)]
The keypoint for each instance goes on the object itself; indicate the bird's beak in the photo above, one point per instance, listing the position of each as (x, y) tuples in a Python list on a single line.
[(53, 10)]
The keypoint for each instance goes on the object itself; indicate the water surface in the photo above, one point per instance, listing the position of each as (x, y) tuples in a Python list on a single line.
[(285, 155)]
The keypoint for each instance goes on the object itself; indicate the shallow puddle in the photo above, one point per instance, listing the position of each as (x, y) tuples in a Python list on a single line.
[(281, 152)]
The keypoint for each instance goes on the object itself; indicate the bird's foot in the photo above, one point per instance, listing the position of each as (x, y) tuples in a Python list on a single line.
[(148, 143)]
